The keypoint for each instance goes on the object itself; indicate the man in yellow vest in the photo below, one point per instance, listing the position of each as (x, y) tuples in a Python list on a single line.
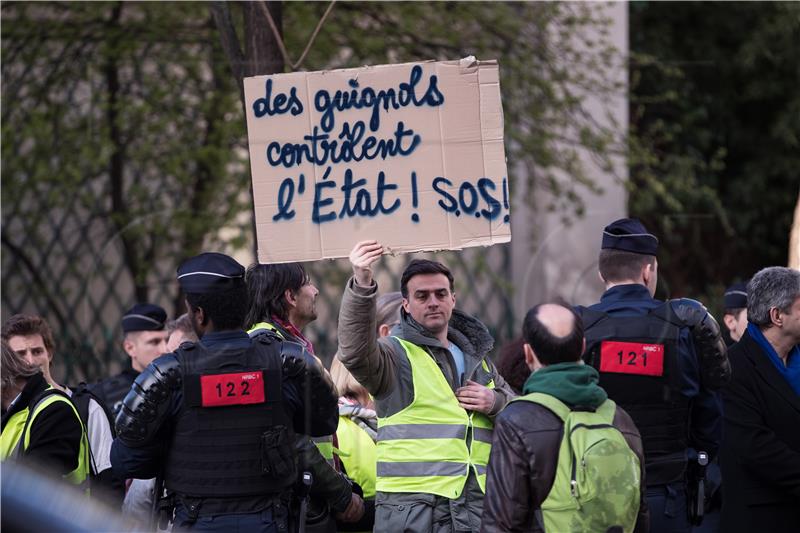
[(282, 300), (40, 426), (435, 391), (31, 338)]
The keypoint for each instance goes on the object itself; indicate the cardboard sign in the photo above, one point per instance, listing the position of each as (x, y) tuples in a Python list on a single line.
[(411, 155)]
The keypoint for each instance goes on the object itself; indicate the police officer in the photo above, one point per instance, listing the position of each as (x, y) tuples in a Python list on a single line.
[(735, 314), (661, 362), (144, 338), (227, 409)]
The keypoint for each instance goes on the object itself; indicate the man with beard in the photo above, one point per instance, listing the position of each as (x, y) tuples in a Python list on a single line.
[(283, 301)]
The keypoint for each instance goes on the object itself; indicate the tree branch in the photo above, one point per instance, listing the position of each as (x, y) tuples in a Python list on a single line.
[(275, 32), (314, 35)]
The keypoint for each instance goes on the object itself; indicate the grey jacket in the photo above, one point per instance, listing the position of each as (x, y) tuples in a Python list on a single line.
[(382, 367)]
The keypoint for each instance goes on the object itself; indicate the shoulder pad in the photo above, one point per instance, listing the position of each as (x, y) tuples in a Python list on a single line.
[(147, 403), (690, 312), (293, 349), (589, 317), (187, 346), (168, 364), (265, 336), (715, 368)]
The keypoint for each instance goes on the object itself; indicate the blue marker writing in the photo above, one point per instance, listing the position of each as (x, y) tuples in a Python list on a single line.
[(414, 196), (280, 105), (350, 145), (320, 202), (505, 199), (405, 95)]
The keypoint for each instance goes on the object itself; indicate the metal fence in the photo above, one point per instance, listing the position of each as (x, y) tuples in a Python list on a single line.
[(60, 265)]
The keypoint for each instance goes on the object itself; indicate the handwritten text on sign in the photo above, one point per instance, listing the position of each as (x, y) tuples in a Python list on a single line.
[(411, 155)]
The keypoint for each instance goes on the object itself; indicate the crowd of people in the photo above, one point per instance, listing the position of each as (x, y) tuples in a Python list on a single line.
[(631, 414)]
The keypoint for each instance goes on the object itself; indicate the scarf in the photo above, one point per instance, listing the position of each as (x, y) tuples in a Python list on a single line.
[(791, 370), (288, 326)]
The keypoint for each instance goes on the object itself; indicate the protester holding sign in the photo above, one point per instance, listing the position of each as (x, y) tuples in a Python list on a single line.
[(435, 392)]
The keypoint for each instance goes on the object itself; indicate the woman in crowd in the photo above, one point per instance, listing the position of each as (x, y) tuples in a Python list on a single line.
[(358, 422)]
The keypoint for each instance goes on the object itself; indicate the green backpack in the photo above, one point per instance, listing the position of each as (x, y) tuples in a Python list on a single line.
[(598, 476)]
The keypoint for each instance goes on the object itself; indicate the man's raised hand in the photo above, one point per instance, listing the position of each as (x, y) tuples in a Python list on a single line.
[(363, 255)]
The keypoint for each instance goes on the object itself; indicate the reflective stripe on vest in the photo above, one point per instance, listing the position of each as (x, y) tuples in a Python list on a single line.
[(430, 445), (358, 453), (12, 437)]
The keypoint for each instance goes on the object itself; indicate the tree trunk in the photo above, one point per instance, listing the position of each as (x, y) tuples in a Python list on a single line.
[(261, 50), (260, 54)]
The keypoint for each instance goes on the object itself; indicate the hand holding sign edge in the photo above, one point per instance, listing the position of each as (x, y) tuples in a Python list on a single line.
[(363, 255)]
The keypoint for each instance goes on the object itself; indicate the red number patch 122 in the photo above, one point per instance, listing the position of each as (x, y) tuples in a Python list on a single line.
[(232, 389)]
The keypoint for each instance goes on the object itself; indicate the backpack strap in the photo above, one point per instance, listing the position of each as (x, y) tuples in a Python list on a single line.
[(81, 400), (82, 396), (31, 410), (559, 408)]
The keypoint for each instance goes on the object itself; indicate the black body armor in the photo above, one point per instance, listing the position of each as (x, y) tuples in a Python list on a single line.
[(637, 358), (232, 436)]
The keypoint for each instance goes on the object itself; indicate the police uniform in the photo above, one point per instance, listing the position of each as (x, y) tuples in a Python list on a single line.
[(217, 418), (735, 298), (662, 362), (140, 317)]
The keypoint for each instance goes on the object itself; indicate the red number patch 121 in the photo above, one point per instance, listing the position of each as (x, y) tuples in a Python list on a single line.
[(232, 389), (632, 358)]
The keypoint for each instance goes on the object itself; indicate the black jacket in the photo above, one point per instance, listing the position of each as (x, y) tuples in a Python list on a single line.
[(330, 487), (55, 432), (760, 456), (111, 391)]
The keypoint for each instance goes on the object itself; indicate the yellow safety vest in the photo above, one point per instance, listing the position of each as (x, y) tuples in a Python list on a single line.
[(266, 325), (13, 435), (358, 454), (430, 445)]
